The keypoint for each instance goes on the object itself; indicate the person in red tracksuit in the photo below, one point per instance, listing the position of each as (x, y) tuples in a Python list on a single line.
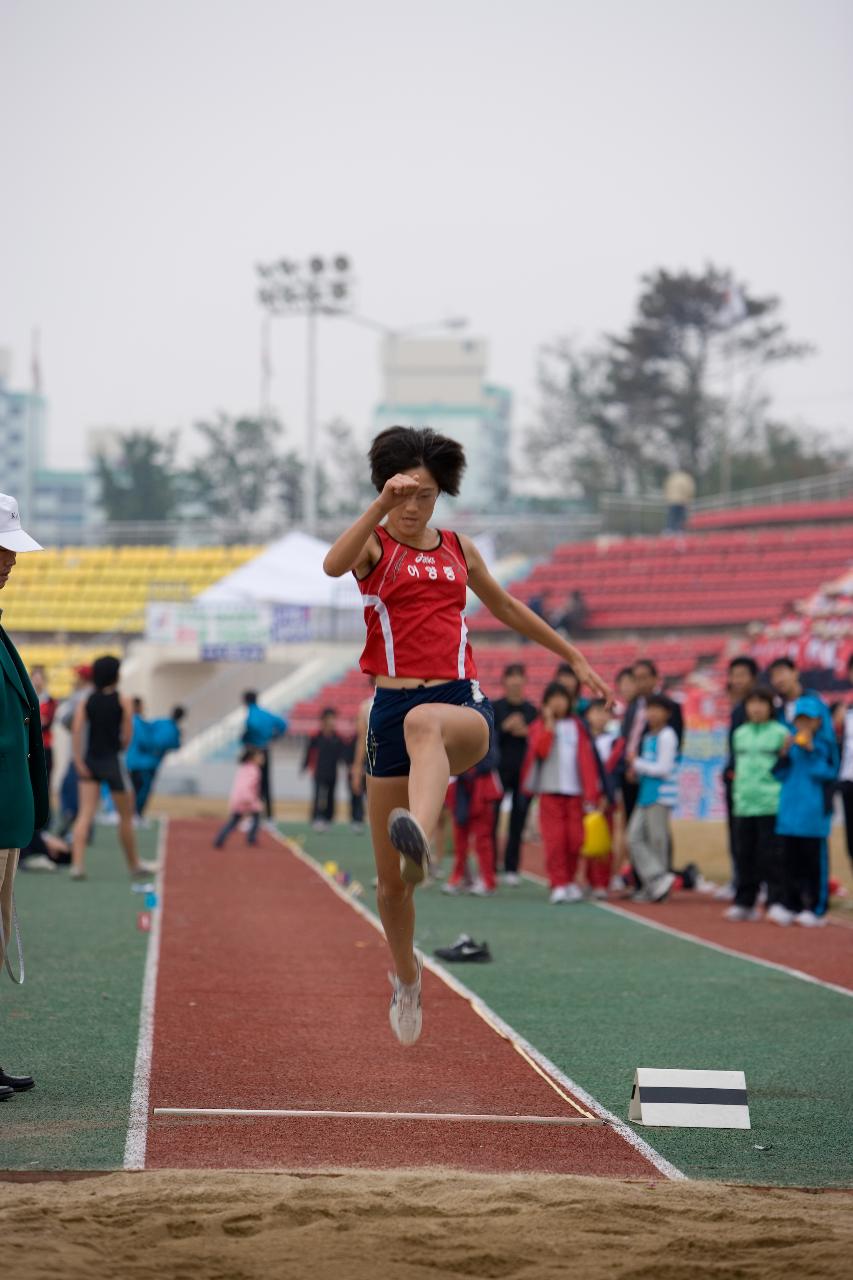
[(471, 799), (561, 767)]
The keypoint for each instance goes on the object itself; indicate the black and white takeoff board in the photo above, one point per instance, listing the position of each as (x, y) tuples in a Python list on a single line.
[(689, 1099)]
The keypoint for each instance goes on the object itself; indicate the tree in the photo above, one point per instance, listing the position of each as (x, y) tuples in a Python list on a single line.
[(143, 483), (620, 415), (238, 476), (346, 488)]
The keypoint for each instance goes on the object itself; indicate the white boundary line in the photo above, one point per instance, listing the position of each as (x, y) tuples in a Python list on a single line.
[(616, 910), (726, 951), (453, 1117), (503, 1028), (137, 1128)]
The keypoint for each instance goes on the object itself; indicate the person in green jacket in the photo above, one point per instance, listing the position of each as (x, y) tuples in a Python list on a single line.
[(757, 744), (23, 776)]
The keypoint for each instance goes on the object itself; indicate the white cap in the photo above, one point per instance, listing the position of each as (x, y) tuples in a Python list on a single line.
[(12, 536)]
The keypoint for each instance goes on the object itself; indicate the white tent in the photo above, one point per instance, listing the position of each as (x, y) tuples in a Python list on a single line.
[(290, 571)]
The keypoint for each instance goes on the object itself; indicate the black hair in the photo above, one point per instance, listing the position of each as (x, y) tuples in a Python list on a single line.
[(783, 662), (401, 448), (178, 713), (763, 695), (328, 711), (514, 669), (137, 705), (595, 702), (566, 669), (850, 662), (626, 671), (248, 752), (650, 666), (250, 696), (105, 671), (554, 688), (743, 660), (660, 700)]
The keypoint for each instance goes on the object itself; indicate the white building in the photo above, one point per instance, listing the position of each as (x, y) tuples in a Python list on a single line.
[(441, 383)]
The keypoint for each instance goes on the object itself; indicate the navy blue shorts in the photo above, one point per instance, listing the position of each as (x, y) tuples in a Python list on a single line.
[(386, 744)]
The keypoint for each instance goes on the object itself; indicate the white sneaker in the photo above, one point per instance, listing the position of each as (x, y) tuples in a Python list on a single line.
[(453, 889), (617, 884), (659, 888), (741, 913), (511, 879), (148, 868), (558, 895), (600, 895), (777, 914), (725, 893), (405, 1011), (574, 893), (38, 862), (480, 890), (809, 920)]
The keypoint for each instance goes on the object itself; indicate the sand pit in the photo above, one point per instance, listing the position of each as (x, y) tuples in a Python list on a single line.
[(366, 1226)]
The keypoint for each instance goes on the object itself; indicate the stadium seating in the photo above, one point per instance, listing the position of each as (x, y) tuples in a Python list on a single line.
[(711, 580), (75, 593), (780, 513)]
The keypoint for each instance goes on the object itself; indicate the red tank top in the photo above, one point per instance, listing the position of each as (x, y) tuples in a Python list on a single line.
[(414, 609)]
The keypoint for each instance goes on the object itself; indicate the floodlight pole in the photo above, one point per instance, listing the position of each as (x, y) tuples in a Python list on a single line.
[(312, 288)]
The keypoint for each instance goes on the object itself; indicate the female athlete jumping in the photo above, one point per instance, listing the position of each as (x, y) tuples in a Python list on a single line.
[(429, 718)]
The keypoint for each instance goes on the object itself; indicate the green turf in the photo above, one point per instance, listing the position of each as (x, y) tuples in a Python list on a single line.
[(600, 995), (73, 1024)]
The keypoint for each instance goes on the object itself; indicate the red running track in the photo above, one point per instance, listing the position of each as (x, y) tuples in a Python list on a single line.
[(825, 954), (271, 992)]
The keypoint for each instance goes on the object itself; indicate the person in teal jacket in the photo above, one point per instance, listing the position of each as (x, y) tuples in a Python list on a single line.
[(23, 775), (262, 728), (152, 740), (808, 770), (756, 748)]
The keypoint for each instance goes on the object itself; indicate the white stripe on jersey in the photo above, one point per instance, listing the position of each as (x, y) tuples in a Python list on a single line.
[(460, 666), (387, 635)]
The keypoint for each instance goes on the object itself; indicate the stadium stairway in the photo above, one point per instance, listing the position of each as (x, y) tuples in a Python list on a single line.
[(205, 764)]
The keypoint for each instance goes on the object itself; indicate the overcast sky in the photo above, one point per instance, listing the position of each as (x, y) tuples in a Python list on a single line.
[(519, 162)]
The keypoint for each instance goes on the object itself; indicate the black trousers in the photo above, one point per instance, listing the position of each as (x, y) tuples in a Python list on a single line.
[(234, 820), (323, 806), (630, 791), (356, 805), (517, 819), (266, 789), (802, 859), (731, 820), (758, 860), (845, 790)]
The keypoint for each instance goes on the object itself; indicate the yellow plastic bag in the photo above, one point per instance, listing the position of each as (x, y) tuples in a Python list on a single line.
[(596, 836)]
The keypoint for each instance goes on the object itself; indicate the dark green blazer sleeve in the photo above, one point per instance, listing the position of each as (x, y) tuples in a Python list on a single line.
[(23, 776)]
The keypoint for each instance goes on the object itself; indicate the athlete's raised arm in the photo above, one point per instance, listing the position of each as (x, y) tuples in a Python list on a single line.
[(356, 547), (515, 615)]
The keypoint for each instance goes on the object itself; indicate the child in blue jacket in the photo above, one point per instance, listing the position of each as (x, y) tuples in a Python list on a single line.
[(807, 769)]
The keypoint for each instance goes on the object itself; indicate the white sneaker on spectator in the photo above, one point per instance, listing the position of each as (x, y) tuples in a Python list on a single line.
[(480, 890), (558, 895), (574, 893), (725, 893), (38, 862), (809, 920), (659, 888), (741, 913), (511, 878), (617, 885), (600, 895), (777, 914), (453, 889)]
